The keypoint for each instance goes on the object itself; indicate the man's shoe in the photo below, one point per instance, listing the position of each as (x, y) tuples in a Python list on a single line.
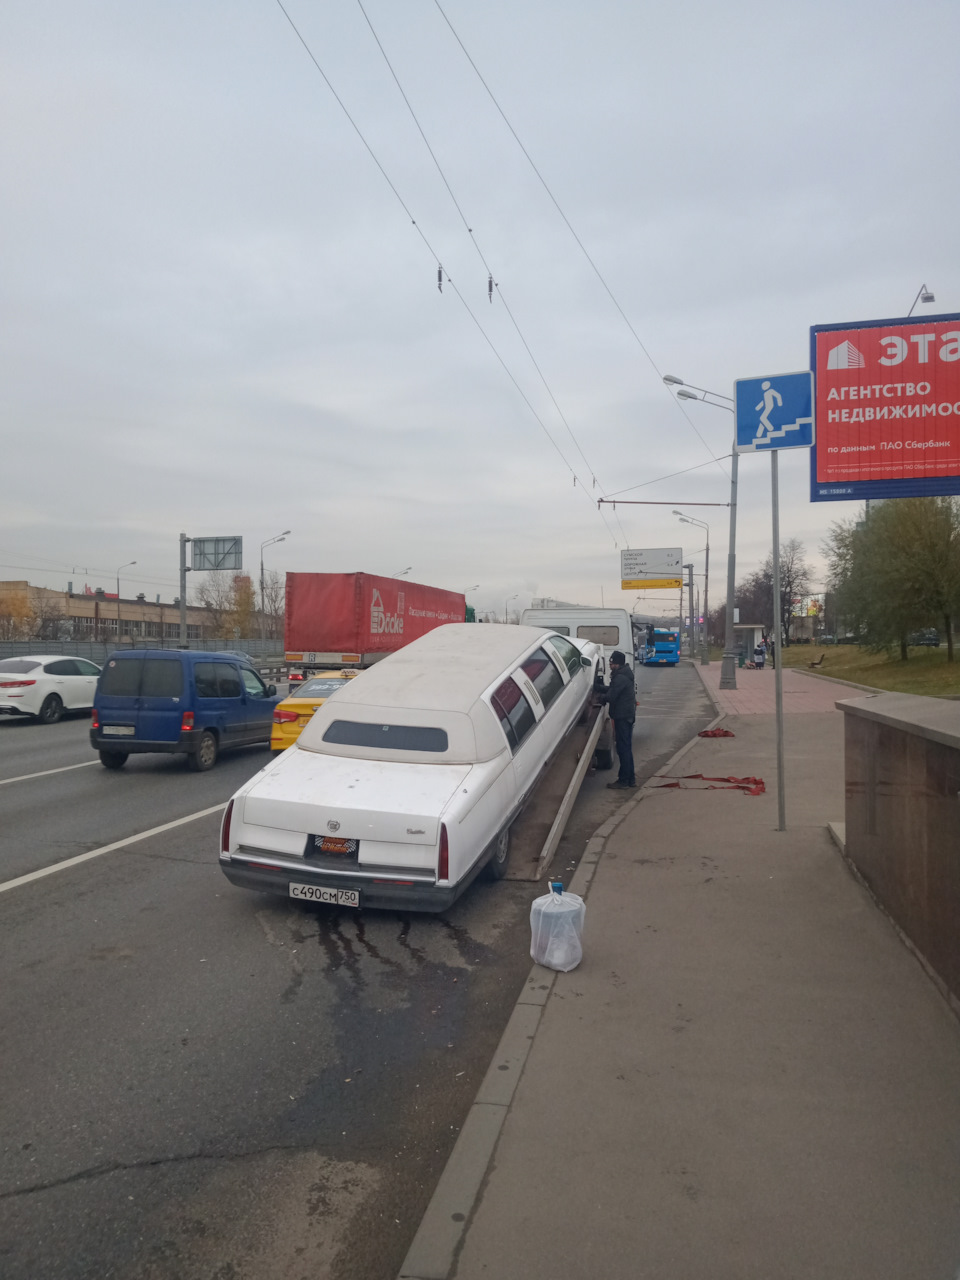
[(618, 786)]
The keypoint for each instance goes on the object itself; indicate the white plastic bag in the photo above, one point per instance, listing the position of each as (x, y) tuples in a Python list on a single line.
[(556, 922)]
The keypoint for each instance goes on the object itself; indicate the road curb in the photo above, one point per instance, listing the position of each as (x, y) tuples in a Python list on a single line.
[(435, 1246)]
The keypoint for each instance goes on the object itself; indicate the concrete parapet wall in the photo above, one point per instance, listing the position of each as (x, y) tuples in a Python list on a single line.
[(902, 775)]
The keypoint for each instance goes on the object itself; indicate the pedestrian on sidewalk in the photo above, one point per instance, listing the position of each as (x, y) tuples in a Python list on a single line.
[(621, 697), (759, 654)]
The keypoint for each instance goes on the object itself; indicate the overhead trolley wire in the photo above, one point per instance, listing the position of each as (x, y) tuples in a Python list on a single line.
[(476, 244), (442, 274), (583, 248)]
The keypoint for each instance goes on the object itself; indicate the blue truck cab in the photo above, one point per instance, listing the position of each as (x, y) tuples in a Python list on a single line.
[(179, 702)]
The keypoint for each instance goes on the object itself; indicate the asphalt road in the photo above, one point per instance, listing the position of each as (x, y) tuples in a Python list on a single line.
[(201, 1082)]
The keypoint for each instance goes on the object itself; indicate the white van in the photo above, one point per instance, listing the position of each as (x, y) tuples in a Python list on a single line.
[(610, 629), (404, 784)]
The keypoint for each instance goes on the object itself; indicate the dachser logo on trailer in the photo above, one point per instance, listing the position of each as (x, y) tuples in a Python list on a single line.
[(383, 623)]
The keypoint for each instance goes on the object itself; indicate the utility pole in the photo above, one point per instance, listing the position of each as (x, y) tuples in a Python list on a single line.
[(184, 570)]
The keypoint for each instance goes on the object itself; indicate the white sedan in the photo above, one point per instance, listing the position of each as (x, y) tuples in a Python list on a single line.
[(45, 686)]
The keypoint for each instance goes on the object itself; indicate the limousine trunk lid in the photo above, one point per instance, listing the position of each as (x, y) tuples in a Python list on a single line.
[(366, 800)]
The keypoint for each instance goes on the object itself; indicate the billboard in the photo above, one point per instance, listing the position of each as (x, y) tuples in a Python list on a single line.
[(651, 567), (217, 553), (887, 409)]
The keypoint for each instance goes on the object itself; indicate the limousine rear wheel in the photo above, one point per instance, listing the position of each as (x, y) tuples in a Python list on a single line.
[(497, 866)]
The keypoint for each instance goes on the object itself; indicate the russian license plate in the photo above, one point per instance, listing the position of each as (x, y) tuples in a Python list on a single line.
[(117, 730), (333, 844), (320, 893)]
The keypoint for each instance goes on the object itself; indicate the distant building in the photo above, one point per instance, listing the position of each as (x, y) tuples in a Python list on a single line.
[(39, 613)]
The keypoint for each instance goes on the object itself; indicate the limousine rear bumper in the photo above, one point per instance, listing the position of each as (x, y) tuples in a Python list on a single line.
[(385, 888)]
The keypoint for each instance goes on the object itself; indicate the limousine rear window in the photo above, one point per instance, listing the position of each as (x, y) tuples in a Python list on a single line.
[(546, 678), (389, 737), (515, 713)]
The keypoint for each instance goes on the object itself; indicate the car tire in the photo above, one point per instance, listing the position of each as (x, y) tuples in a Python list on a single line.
[(205, 756), (113, 759), (603, 759), (51, 710), (497, 866)]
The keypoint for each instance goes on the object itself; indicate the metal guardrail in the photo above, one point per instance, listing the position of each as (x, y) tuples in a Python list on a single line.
[(99, 650)]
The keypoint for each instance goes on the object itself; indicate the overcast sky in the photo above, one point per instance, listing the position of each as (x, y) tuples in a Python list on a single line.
[(219, 317)]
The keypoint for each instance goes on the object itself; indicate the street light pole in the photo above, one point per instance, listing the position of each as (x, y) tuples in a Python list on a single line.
[(689, 569), (123, 566), (728, 667), (923, 295), (507, 605), (281, 537), (705, 634)]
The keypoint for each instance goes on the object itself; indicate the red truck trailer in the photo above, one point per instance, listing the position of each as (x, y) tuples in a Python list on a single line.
[(352, 619)]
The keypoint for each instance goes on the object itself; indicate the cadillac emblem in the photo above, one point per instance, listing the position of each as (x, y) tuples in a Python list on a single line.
[(333, 825)]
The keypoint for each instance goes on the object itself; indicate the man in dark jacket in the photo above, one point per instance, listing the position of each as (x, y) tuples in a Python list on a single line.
[(622, 700)]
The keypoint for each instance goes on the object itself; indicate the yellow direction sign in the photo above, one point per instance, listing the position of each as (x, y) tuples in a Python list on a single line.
[(634, 584)]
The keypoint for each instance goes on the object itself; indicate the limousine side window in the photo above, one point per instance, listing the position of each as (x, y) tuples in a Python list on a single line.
[(547, 680), (568, 652), (516, 714)]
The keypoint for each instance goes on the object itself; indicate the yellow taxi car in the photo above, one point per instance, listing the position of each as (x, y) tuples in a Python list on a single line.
[(290, 715)]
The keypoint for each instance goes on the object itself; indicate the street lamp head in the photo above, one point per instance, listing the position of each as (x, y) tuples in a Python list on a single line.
[(684, 394), (672, 381), (926, 295)]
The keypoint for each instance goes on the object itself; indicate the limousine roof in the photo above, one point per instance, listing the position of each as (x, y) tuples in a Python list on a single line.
[(436, 680)]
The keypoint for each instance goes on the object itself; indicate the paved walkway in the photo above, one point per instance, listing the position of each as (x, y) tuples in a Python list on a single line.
[(747, 1078), (754, 694)]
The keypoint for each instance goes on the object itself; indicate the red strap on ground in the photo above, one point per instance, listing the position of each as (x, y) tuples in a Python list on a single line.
[(749, 786), (715, 733)]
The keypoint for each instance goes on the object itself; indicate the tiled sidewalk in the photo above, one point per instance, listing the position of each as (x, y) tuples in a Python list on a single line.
[(754, 694)]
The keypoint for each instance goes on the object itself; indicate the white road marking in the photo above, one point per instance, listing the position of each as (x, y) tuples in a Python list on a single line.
[(25, 777), (109, 848)]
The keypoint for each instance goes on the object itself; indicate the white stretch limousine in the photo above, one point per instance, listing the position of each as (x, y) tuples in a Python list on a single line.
[(403, 786)]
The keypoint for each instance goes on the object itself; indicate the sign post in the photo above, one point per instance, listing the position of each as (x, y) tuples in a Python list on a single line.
[(771, 414), (208, 553)]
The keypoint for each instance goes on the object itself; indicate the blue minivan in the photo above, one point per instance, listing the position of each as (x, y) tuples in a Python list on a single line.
[(192, 703)]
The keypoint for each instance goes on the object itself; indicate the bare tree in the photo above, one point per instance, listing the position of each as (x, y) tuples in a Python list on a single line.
[(274, 603), (47, 620)]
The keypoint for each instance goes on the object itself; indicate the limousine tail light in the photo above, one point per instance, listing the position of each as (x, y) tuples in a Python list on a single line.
[(443, 865), (187, 721), (225, 829), (285, 717)]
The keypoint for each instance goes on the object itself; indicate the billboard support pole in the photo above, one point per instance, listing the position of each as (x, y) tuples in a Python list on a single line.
[(183, 590), (778, 639)]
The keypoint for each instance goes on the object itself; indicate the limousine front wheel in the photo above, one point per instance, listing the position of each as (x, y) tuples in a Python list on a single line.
[(497, 866)]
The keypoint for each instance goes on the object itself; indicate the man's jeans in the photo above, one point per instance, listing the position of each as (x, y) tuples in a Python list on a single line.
[(624, 735)]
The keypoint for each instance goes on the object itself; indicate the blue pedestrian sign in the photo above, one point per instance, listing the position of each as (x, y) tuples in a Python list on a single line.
[(775, 412)]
